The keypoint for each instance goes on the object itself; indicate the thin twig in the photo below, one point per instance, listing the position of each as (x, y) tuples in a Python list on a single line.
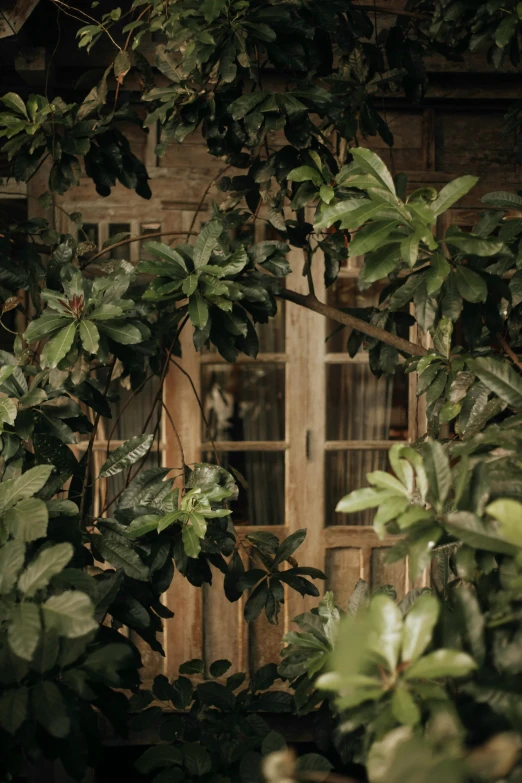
[(176, 433), (134, 239), (205, 420), (70, 8), (203, 197)]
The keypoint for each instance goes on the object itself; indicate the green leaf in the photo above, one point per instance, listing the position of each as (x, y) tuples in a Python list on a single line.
[(12, 556), (506, 30), (59, 346), (23, 632), (313, 763), (472, 531), (370, 163), (189, 285), (71, 614), (404, 707), (256, 602), (126, 455), (15, 103), (194, 666), (289, 545), (121, 332), (48, 562), (508, 513), (441, 663), (13, 708), (90, 336), (477, 246), (8, 410), (438, 472), (501, 378), (425, 307), (379, 264), (198, 310), (28, 520), (219, 668), (158, 757), (503, 199), (370, 237), (206, 242), (120, 553), (44, 326), (470, 285), (452, 192), (418, 627), (49, 709), (305, 174), (142, 525), (26, 485), (361, 499), (386, 620), (197, 759), (245, 104), (193, 531), (122, 64)]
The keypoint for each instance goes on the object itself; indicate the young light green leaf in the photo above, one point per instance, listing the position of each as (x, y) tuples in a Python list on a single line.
[(404, 708), (370, 237), (48, 562), (452, 192), (508, 513), (126, 455), (15, 103), (306, 174)]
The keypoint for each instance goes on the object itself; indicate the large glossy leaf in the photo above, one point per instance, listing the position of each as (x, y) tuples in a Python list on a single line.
[(120, 553), (126, 455), (508, 513), (441, 663), (58, 347), (89, 336), (70, 614), (48, 562), (501, 378), (503, 200), (418, 627), (452, 192), (121, 332), (289, 545), (206, 242), (198, 310), (372, 164)]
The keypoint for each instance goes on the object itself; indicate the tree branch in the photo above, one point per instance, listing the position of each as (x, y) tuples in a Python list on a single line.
[(141, 238), (356, 323)]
